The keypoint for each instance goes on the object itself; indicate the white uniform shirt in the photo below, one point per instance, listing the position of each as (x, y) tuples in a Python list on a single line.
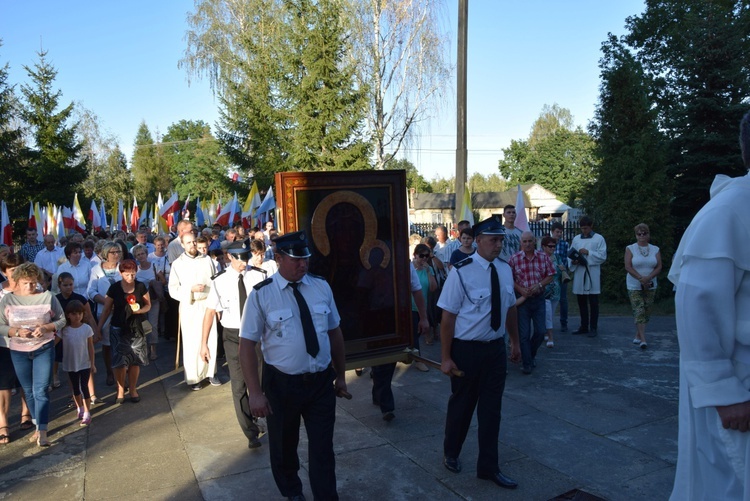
[(468, 294), (224, 296), (256, 276), (272, 318)]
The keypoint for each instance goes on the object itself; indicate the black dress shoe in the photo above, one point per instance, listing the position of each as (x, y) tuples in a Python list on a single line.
[(253, 443), (593, 333), (452, 464), (581, 331), (388, 416), (500, 479), (298, 497)]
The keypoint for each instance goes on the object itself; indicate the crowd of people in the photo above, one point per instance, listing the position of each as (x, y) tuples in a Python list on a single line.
[(60, 298), (490, 296)]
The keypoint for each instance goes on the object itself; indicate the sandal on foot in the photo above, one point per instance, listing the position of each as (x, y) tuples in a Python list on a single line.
[(42, 443), (26, 424), (4, 437)]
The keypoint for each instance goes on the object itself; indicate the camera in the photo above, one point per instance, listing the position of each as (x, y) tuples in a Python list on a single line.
[(574, 255)]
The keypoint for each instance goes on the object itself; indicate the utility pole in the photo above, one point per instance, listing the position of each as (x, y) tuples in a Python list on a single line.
[(463, 21)]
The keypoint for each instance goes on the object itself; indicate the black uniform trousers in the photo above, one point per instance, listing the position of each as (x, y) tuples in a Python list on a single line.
[(481, 387), (382, 393), (311, 397), (239, 390)]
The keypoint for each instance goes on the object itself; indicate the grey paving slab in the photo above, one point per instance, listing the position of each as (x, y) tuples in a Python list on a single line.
[(592, 459), (597, 414), (124, 475), (383, 472)]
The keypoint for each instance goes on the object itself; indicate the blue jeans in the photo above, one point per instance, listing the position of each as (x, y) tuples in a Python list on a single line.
[(34, 370), (532, 310)]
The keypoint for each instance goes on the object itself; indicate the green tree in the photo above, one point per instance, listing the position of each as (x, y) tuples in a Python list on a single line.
[(698, 55), (560, 159), (113, 181), (325, 104), (440, 185), (194, 160), (484, 184), (414, 179), (551, 119), (631, 184), (99, 147), (56, 167), (150, 173), (286, 94), (12, 151)]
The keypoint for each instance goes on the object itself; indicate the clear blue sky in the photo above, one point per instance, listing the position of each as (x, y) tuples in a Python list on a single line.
[(119, 59)]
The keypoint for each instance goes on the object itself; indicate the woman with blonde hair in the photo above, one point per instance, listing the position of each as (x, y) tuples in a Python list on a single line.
[(643, 264)]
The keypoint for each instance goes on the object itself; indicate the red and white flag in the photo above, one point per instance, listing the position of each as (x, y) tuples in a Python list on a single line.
[(134, 216), (5, 227), (95, 217), (170, 206), (32, 218)]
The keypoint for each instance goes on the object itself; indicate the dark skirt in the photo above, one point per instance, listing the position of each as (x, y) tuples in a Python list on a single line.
[(8, 379), (127, 349)]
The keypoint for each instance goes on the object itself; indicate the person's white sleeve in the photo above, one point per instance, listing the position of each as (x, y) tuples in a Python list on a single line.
[(598, 254), (706, 323), (415, 284)]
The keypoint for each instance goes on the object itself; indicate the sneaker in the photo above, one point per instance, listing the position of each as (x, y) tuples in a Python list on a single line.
[(56, 383), (636, 341), (421, 366), (546, 338), (550, 344), (196, 387), (644, 345), (215, 381), (80, 413), (86, 419)]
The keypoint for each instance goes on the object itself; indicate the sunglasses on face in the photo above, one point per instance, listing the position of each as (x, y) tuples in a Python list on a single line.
[(424, 256)]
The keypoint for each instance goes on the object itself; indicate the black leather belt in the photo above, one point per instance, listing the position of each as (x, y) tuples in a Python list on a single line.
[(477, 341), (307, 377)]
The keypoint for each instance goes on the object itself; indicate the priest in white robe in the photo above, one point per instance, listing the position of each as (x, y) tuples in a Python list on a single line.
[(711, 270), (189, 283)]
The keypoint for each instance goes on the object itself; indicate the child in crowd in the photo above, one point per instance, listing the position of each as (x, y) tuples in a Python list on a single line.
[(78, 357)]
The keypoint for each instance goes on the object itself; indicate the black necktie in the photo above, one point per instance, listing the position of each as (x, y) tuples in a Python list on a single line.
[(243, 292), (311, 338), (495, 316)]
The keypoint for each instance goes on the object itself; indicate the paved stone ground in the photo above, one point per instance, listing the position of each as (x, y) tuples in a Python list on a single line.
[(598, 414)]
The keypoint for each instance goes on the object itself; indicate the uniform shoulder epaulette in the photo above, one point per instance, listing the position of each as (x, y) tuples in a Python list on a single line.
[(463, 262), (315, 276), (213, 277), (262, 284)]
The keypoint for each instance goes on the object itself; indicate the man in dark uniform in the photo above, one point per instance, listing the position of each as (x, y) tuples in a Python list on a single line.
[(227, 297), (294, 317), (478, 303)]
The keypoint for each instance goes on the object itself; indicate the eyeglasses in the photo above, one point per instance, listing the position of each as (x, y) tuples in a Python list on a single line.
[(642, 234), (115, 252), (551, 245), (424, 256)]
